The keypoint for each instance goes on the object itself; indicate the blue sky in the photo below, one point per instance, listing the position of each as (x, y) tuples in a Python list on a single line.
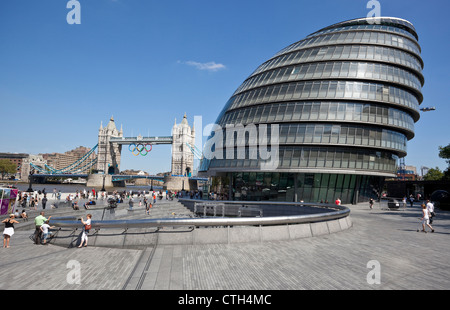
[(148, 62)]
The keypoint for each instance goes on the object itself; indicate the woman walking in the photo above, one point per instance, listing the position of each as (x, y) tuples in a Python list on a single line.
[(86, 228), (9, 230), (425, 218)]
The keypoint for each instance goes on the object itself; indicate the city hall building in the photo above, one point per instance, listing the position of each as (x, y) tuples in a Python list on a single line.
[(343, 100)]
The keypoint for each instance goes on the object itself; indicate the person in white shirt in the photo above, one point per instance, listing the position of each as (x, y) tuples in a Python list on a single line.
[(45, 231), (430, 208), (84, 235), (425, 219)]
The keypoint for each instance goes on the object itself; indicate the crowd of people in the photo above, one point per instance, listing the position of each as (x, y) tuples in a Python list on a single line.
[(38, 199)]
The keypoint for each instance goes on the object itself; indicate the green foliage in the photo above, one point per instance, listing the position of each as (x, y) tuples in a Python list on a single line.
[(444, 152), (433, 174), (7, 167)]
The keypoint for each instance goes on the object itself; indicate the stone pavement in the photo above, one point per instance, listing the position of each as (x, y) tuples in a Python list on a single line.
[(407, 260)]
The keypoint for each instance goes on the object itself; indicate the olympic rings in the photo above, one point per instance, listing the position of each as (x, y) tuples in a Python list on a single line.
[(140, 149)]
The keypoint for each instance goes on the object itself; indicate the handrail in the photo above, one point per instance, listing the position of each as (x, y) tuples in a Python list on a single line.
[(339, 212)]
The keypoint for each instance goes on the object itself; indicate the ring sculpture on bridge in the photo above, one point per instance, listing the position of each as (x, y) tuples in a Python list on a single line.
[(140, 149)]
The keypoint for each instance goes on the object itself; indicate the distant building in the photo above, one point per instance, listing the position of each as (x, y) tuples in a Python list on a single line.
[(408, 173), (182, 156), (15, 158), (36, 160), (59, 161)]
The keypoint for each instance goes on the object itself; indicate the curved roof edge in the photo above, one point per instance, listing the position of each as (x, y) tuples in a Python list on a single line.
[(398, 22)]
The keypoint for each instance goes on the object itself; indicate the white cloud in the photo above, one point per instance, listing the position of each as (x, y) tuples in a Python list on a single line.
[(208, 66)]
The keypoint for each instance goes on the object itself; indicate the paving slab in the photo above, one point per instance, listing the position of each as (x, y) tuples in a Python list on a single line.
[(405, 259)]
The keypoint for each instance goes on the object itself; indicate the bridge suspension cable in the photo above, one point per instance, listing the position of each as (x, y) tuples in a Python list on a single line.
[(195, 150), (73, 167)]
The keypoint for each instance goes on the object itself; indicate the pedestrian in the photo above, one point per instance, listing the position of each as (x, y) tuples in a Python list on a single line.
[(24, 215), (9, 230), (23, 201), (38, 222), (148, 207), (430, 208), (86, 228), (338, 201), (425, 219), (371, 203), (75, 205), (32, 204), (411, 200), (130, 203), (45, 231), (44, 201)]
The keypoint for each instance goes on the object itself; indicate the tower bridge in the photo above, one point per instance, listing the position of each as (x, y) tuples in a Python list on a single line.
[(109, 152), (111, 140)]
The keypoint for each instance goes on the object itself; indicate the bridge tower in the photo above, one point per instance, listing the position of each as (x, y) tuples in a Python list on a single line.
[(182, 156), (108, 154)]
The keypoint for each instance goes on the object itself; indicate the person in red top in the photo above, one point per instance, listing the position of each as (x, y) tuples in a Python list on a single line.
[(338, 202)]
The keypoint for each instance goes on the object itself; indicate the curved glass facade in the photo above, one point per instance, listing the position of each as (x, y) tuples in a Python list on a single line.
[(344, 101)]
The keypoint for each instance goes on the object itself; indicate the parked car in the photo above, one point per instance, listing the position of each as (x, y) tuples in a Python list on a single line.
[(393, 203)]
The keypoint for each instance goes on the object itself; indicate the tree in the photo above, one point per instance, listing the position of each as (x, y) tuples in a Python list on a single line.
[(6, 167), (444, 152), (433, 174)]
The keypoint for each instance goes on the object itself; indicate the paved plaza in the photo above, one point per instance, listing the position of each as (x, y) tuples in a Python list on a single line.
[(341, 261)]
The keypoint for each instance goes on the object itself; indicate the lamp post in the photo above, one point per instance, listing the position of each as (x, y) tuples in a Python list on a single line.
[(104, 177), (30, 175), (103, 186)]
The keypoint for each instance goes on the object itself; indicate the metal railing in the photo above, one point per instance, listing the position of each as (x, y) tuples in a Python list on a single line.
[(333, 212)]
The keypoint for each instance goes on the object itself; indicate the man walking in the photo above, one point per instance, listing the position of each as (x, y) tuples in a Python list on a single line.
[(44, 202), (430, 208)]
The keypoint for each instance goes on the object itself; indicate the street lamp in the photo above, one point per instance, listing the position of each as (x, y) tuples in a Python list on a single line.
[(30, 175), (103, 186), (428, 109), (104, 177)]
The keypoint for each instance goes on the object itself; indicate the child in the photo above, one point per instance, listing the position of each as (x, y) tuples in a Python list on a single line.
[(45, 230), (425, 218), (148, 207)]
